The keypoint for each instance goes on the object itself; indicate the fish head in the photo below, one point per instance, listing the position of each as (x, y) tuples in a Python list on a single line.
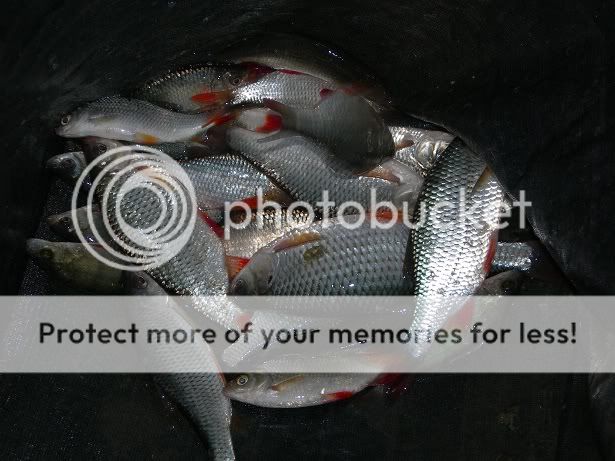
[(50, 255), (84, 121), (505, 284), (62, 224), (256, 277), (249, 387), (67, 166), (93, 146)]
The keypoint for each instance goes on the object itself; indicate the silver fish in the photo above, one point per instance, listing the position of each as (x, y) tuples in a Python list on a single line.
[(319, 171), (73, 265), (295, 390), (263, 228), (67, 166), (520, 256), (197, 88), (417, 147), (199, 394), (450, 251), (282, 51), (115, 117), (345, 123), (327, 261), (288, 87), (63, 225), (218, 179)]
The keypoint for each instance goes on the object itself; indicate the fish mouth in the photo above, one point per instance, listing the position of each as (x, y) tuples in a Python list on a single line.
[(35, 248)]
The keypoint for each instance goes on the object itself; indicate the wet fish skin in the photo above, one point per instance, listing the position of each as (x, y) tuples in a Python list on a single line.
[(73, 265), (122, 119), (282, 51), (287, 87), (199, 394), (295, 391), (345, 123), (521, 256), (419, 147), (451, 262), (320, 171), (62, 224), (227, 178), (194, 89), (244, 242), (67, 166), (329, 261)]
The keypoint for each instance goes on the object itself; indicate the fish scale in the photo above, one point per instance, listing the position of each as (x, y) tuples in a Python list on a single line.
[(319, 170), (450, 263)]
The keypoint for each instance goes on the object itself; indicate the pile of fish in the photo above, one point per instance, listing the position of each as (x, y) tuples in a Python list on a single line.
[(292, 125)]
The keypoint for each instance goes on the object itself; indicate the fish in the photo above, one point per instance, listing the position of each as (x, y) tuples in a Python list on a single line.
[(218, 179), (264, 226), (133, 120), (260, 119), (525, 257), (64, 226), (288, 87), (329, 260), (282, 51), (197, 88), (73, 265), (418, 147), (353, 131), (503, 284), (200, 395), (448, 257), (279, 390), (67, 166), (320, 171)]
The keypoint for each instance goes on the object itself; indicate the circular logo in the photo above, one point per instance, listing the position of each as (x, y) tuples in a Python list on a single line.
[(148, 206)]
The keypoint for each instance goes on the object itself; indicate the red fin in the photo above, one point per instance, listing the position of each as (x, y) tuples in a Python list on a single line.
[(220, 119), (242, 319), (273, 122), (256, 71), (296, 240), (218, 230), (340, 395), (145, 138), (385, 215), (290, 72), (325, 92), (381, 172), (251, 202), (234, 264), (212, 98), (387, 379), (493, 245)]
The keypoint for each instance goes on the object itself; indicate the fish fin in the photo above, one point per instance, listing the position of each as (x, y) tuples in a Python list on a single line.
[(219, 118), (386, 379), (296, 240), (483, 179), (326, 92), (241, 320), (404, 143), (213, 225), (212, 98), (491, 250), (339, 395), (290, 72), (272, 122), (287, 113), (281, 385), (385, 215), (256, 71), (144, 138), (234, 264), (278, 196), (381, 172)]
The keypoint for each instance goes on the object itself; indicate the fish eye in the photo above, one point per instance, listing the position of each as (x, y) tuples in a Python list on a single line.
[(240, 288), (46, 253), (141, 282), (65, 120), (101, 148), (65, 220), (234, 80), (66, 163), (242, 380)]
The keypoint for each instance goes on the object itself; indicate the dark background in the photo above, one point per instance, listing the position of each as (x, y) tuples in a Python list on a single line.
[(525, 85)]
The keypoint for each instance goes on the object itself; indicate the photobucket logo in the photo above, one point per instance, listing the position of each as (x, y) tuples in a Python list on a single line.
[(148, 206), (446, 214)]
